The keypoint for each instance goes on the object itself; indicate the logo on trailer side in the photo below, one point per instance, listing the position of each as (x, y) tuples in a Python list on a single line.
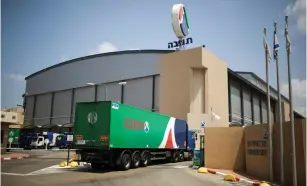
[(136, 125), (92, 117), (146, 127)]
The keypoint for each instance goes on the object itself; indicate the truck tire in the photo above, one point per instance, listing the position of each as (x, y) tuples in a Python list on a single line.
[(96, 166), (181, 156), (175, 157), (135, 159), (145, 158), (125, 162)]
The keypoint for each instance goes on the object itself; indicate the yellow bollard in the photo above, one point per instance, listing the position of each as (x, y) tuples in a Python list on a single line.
[(229, 177), (63, 164), (264, 184), (73, 164), (202, 170)]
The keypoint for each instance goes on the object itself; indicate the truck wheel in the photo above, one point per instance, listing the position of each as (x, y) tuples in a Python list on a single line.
[(145, 158), (181, 156), (175, 157), (136, 159), (125, 162), (96, 166)]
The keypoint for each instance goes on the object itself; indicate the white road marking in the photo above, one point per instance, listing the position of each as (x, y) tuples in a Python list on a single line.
[(41, 171), (12, 174), (181, 166)]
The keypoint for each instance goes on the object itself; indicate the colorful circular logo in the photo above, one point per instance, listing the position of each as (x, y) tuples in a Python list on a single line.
[(180, 21), (146, 127)]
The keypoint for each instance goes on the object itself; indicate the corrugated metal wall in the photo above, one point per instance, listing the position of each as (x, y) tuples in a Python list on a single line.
[(96, 70), (247, 106), (43, 109), (61, 107), (58, 108), (139, 92), (53, 103)]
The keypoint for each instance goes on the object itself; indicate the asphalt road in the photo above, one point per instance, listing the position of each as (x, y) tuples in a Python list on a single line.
[(43, 171)]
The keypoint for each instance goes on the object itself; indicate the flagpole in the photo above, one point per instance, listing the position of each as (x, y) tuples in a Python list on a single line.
[(281, 131), (266, 47), (291, 107)]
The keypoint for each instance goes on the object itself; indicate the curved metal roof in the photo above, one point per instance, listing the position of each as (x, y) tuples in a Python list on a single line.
[(100, 55)]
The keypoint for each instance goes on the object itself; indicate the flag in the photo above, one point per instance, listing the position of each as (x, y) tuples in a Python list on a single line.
[(266, 46), (288, 42), (276, 45)]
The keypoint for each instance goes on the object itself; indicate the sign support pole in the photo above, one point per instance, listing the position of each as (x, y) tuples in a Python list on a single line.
[(68, 154)]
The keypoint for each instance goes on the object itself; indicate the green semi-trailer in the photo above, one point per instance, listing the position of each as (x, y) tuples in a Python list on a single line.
[(122, 136)]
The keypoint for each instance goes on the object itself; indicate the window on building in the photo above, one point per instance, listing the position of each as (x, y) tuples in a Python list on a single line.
[(236, 109), (257, 116), (2, 116), (13, 117), (247, 107)]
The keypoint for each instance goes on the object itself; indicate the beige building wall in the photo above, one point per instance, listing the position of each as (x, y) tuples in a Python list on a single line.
[(193, 86), (4, 131), (227, 152), (14, 117)]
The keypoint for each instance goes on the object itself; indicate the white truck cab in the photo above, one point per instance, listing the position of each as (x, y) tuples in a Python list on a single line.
[(38, 141)]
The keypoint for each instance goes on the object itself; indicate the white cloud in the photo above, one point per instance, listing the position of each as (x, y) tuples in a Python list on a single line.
[(104, 48), (298, 94), (298, 9), (16, 77)]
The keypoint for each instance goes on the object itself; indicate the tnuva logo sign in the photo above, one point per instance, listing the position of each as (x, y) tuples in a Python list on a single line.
[(180, 21), (180, 26)]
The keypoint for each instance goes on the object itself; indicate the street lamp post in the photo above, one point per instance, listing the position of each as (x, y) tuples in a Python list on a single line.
[(105, 93), (122, 83), (24, 101)]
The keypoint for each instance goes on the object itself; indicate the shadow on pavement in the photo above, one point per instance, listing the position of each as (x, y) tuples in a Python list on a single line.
[(104, 169)]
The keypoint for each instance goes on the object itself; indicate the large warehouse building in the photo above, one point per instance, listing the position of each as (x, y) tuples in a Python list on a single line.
[(133, 77)]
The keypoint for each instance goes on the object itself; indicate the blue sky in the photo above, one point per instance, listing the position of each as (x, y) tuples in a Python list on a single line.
[(37, 34)]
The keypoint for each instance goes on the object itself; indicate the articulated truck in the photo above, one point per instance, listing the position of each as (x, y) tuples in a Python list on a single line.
[(123, 137)]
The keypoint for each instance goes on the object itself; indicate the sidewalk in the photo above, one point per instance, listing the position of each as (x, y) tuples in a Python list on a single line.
[(240, 177), (12, 156)]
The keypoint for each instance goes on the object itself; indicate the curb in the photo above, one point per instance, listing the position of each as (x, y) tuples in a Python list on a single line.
[(15, 158), (238, 179)]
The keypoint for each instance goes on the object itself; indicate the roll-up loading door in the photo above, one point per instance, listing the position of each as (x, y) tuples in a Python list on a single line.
[(42, 109), (61, 107), (138, 93)]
